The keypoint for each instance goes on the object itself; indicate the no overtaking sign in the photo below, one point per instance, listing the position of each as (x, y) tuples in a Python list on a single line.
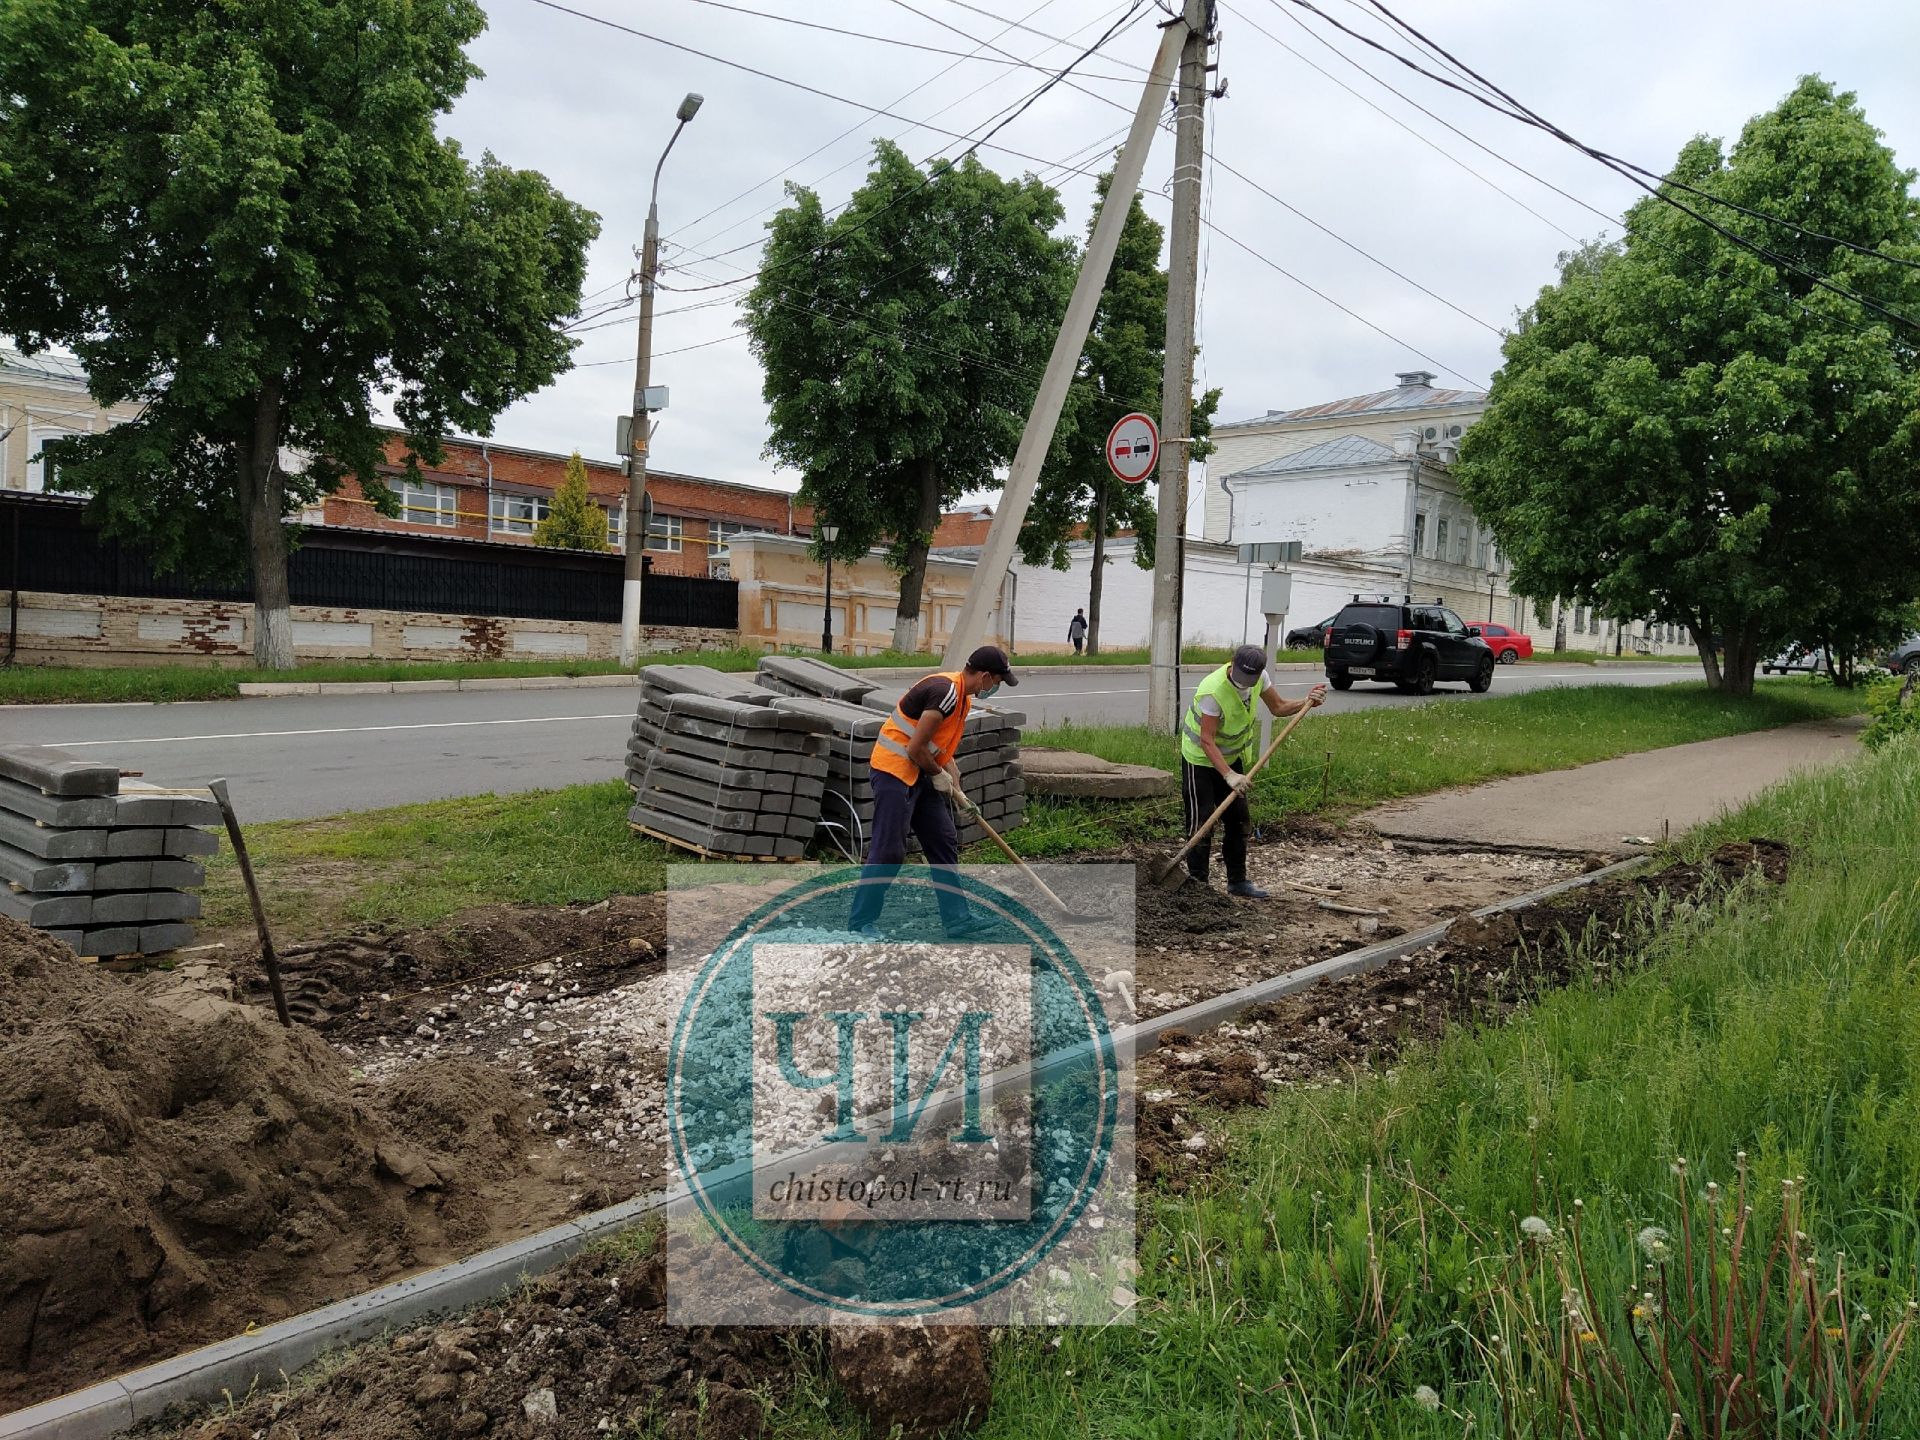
[(1133, 447)]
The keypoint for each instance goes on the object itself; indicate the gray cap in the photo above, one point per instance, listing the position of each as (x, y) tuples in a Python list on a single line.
[(1249, 661)]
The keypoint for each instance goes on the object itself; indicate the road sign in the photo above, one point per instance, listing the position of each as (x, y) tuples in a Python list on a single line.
[(1133, 447)]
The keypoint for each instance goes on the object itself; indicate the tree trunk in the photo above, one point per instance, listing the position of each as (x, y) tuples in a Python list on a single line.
[(1701, 628), (1743, 657), (913, 580), (262, 497), (1099, 568)]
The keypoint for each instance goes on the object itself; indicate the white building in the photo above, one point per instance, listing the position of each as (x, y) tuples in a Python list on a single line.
[(42, 398)]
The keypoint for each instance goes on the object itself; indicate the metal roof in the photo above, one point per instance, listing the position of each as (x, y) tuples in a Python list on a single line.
[(1401, 397), (63, 369), (1341, 450)]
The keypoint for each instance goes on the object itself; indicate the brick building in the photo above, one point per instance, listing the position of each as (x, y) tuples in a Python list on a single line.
[(486, 491)]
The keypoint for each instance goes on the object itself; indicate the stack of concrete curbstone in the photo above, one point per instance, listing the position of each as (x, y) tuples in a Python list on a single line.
[(102, 865), (989, 755), (715, 768)]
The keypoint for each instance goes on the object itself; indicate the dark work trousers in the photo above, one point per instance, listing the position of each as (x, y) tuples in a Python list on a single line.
[(900, 808), (1202, 789)]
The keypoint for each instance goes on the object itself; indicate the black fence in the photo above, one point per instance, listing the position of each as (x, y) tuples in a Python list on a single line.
[(46, 545)]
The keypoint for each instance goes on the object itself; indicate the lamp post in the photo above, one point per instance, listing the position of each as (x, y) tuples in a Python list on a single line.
[(828, 534), (636, 543)]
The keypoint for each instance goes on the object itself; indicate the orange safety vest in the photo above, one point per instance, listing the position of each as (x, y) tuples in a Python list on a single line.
[(890, 748)]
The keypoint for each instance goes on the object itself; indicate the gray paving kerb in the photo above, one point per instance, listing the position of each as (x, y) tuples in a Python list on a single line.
[(238, 1364)]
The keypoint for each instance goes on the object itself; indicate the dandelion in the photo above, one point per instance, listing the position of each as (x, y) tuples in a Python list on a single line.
[(1427, 1398), (1653, 1243), (1833, 1332), (1536, 1229), (1588, 1337), (1679, 1165)]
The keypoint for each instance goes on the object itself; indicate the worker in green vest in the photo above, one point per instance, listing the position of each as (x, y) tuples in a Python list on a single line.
[(1217, 740)]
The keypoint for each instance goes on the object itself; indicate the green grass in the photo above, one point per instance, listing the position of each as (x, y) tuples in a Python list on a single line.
[(1778, 1027), (415, 864), (85, 684), (1383, 754)]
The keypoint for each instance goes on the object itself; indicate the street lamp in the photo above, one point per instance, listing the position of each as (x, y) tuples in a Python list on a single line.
[(637, 426), (828, 534)]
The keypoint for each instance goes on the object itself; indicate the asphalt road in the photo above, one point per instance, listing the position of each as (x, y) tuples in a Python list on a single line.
[(321, 755)]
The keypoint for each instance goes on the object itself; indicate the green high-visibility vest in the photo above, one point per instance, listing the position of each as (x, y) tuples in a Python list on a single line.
[(1238, 729)]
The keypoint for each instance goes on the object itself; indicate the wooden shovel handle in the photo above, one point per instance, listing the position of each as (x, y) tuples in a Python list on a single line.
[(994, 835), (1227, 804)]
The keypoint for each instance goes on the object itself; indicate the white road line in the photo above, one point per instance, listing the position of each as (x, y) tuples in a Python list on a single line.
[(344, 730)]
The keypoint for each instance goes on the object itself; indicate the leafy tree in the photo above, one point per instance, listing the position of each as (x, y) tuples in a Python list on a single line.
[(240, 215), (902, 340), (1120, 371), (1686, 432), (573, 521)]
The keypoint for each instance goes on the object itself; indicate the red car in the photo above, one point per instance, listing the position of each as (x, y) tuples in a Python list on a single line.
[(1507, 644)]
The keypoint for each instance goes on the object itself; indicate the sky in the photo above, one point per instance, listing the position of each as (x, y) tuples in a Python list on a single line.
[(592, 106)]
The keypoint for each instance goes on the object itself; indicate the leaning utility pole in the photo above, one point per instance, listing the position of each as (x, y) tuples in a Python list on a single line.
[(1176, 385), (1017, 494)]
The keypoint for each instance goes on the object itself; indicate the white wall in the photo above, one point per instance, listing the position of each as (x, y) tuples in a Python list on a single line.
[(1348, 509), (1222, 604)]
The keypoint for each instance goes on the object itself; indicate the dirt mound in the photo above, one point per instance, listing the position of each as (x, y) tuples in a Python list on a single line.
[(166, 1181), (383, 981), (581, 1352), (1190, 910)]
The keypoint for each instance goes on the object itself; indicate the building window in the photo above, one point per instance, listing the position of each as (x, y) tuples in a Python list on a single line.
[(515, 514), (424, 503), (40, 470), (664, 533), (1440, 538), (1460, 548), (1419, 534), (720, 534), (616, 520)]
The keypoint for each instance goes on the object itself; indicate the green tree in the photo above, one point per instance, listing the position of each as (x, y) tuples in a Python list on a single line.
[(239, 214), (1683, 431), (902, 341), (1120, 371), (573, 521)]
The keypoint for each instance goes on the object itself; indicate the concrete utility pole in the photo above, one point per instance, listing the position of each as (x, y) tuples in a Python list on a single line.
[(634, 531), (971, 628), (1176, 385)]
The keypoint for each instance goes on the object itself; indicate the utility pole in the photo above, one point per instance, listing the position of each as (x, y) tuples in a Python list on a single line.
[(639, 424), (1176, 384), (1015, 496)]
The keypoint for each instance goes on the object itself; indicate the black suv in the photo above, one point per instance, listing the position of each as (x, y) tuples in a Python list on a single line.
[(1410, 642)]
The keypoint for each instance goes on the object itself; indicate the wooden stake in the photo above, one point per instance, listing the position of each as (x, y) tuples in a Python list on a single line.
[(268, 959)]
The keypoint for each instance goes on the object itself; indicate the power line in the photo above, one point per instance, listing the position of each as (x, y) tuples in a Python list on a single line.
[(784, 170), (1291, 209), (1533, 118), (889, 39), (1016, 59), (1386, 114)]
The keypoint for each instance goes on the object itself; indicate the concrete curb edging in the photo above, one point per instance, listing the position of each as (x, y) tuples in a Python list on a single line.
[(237, 1365)]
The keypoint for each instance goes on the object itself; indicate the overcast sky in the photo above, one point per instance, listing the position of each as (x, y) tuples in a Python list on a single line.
[(591, 107)]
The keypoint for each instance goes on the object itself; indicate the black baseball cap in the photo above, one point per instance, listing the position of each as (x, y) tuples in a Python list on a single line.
[(1250, 661), (993, 660)]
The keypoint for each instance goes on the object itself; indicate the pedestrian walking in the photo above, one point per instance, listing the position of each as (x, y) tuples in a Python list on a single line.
[(1077, 630), (1217, 740), (913, 774)]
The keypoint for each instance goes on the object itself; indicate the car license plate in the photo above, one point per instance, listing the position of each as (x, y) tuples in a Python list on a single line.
[(1359, 670)]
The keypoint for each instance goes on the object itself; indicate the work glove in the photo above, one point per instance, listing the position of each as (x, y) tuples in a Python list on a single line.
[(943, 782), (1238, 783)]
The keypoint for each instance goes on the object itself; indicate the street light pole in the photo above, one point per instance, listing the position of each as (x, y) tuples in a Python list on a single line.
[(828, 534), (635, 533)]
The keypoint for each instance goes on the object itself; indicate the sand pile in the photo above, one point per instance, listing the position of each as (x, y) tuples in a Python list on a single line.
[(164, 1182)]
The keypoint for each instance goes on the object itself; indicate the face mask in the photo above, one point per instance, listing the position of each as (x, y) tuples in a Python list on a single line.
[(990, 691)]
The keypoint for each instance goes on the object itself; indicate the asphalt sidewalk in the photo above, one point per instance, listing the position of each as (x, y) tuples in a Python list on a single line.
[(1611, 806)]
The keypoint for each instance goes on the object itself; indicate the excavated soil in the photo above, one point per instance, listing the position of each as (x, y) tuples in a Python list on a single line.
[(1481, 971), (583, 1351), (167, 1180)]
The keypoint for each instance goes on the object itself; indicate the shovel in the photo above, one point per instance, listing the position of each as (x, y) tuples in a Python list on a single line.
[(994, 835), (1172, 876)]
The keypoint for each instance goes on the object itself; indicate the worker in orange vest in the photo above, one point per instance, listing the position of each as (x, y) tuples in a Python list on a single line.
[(914, 773)]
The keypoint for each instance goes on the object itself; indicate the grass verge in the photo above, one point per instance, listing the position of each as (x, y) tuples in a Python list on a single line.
[(418, 863), (1526, 1230), (1344, 762), (161, 684)]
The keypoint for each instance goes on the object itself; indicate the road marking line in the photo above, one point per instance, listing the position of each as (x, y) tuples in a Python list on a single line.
[(343, 730)]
